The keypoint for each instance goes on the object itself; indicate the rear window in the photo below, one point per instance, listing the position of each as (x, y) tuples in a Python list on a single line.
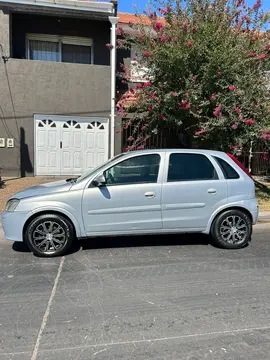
[(227, 169), (190, 167)]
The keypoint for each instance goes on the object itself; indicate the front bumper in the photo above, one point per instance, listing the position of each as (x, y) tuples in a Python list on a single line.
[(13, 223)]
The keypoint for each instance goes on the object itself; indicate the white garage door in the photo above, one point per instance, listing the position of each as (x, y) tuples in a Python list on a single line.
[(66, 145)]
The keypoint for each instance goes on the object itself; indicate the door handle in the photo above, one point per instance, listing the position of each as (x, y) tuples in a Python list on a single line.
[(212, 191), (150, 195)]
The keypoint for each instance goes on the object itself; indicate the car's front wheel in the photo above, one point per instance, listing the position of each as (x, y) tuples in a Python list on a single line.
[(49, 235), (232, 229)]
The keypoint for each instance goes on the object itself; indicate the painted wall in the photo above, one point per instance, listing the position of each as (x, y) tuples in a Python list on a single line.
[(30, 87)]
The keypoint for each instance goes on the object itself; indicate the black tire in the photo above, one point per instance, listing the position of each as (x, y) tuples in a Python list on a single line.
[(238, 236), (55, 242)]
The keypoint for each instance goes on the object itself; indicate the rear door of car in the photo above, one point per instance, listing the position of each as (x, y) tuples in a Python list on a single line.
[(194, 187)]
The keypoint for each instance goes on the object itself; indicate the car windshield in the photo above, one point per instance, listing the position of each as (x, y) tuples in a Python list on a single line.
[(97, 169)]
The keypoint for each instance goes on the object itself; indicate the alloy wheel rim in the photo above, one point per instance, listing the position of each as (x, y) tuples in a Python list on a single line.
[(48, 237), (234, 229)]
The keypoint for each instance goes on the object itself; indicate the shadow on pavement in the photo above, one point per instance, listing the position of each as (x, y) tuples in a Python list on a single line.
[(20, 247), (128, 241), (140, 241)]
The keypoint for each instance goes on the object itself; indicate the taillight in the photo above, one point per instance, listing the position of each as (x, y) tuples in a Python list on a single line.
[(240, 165)]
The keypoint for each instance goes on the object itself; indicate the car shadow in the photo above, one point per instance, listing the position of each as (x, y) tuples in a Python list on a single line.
[(142, 241), (20, 247), (128, 241)]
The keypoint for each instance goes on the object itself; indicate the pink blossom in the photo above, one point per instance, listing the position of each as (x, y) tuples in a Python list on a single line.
[(168, 9), (147, 84), (162, 117), (139, 86), (250, 122), (162, 11), (109, 46), (202, 131), (141, 147), (158, 26), (219, 74), (123, 82), (265, 136), (213, 96), (175, 39), (184, 105), (194, 28), (150, 107), (131, 138), (262, 56), (124, 115), (146, 54), (240, 117), (187, 95), (174, 93), (194, 78), (217, 112), (119, 30), (144, 128), (190, 44), (252, 54), (234, 126), (267, 48), (133, 58), (231, 87), (265, 156), (163, 38), (237, 109), (257, 5)]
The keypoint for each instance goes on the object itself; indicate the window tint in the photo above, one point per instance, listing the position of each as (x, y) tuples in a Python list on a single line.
[(139, 169), (190, 167), (228, 171)]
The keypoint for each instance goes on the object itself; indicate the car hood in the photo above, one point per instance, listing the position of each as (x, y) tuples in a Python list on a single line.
[(49, 188)]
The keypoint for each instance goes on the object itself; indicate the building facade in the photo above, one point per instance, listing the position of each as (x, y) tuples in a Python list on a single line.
[(55, 86)]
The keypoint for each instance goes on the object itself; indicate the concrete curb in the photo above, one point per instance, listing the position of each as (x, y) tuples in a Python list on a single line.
[(264, 217)]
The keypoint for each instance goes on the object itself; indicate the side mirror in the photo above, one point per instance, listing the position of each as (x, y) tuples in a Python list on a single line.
[(99, 181)]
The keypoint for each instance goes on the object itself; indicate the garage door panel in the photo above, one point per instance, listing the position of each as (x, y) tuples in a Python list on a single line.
[(41, 138), (77, 139), (90, 140), (52, 139), (100, 140), (69, 146)]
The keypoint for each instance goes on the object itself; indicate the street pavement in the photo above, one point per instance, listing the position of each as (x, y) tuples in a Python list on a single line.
[(169, 297)]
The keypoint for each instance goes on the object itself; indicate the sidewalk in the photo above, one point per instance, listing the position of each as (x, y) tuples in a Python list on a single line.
[(264, 216)]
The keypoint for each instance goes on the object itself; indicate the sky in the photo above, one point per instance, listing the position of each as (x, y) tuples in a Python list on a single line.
[(127, 5)]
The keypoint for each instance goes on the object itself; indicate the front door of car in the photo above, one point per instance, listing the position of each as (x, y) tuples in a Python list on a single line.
[(130, 199), (193, 189)]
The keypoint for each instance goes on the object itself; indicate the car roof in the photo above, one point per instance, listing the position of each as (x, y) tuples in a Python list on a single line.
[(190, 151)]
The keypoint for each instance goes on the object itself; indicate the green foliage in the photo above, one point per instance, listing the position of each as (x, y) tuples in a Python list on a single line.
[(206, 63)]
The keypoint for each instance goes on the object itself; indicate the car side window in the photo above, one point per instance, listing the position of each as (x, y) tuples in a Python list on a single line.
[(227, 169), (138, 169), (190, 167)]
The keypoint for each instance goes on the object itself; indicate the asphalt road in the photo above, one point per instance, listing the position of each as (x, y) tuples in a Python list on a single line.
[(137, 298)]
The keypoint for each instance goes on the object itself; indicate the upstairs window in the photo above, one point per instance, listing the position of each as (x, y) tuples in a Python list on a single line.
[(56, 48)]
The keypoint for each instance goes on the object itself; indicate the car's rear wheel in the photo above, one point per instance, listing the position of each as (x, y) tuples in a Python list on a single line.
[(232, 229), (49, 235)]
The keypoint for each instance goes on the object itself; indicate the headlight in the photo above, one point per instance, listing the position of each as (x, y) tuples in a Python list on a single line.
[(12, 204)]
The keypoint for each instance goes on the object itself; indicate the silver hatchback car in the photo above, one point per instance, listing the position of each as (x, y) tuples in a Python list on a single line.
[(140, 192)]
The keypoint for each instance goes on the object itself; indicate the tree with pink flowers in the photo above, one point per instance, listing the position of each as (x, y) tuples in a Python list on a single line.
[(205, 75)]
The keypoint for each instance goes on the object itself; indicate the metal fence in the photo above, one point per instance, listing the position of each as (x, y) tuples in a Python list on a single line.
[(257, 161)]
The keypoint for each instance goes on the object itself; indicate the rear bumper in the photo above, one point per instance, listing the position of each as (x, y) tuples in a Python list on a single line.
[(13, 223)]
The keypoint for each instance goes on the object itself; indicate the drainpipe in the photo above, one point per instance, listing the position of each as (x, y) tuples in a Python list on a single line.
[(114, 22)]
